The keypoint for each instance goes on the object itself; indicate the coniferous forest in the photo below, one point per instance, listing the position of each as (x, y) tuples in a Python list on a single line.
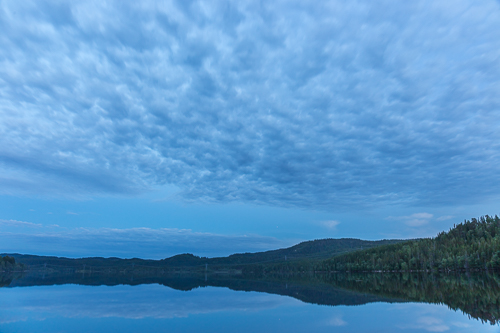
[(8, 264), (471, 245)]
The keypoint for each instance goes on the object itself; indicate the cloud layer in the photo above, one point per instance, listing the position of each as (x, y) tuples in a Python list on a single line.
[(26, 237), (327, 104)]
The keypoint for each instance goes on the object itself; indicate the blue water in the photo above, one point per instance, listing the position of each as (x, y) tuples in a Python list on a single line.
[(156, 308)]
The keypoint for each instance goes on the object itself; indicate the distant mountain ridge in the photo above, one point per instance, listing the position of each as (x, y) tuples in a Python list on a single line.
[(311, 250), (305, 251)]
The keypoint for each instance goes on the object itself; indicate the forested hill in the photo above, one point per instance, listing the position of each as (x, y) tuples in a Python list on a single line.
[(9, 264), (473, 244), (309, 250), (305, 251)]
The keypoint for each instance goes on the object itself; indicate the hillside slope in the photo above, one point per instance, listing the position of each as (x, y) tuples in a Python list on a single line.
[(306, 251), (473, 244)]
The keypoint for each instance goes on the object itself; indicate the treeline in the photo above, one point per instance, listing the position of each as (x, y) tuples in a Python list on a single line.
[(473, 244), (8, 264), (297, 258)]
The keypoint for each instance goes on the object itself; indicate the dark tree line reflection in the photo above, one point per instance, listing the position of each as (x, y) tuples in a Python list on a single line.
[(476, 294)]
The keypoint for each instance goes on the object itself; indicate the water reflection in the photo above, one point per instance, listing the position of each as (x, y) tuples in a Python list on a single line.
[(476, 294), (392, 302), (134, 303)]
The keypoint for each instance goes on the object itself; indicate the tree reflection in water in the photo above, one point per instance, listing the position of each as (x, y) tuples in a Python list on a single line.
[(475, 294)]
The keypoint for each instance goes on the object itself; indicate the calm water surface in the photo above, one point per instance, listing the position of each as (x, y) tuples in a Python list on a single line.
[(157, 308)]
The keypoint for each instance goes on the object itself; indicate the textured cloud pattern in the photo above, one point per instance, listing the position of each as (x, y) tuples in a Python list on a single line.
[(324, 104)]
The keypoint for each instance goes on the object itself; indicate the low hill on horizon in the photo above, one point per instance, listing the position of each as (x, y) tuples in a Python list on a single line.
[(309, 250)]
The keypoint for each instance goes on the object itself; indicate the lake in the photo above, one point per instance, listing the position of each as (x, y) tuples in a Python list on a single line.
[(339, 303)]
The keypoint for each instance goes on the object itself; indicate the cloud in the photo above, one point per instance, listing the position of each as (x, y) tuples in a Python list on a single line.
[(332, 225), (444, 218), (134, 242), (329, 105), (15, 223), (414, 220)]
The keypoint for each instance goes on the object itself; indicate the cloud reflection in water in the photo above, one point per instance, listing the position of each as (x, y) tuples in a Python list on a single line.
[(151, 306)]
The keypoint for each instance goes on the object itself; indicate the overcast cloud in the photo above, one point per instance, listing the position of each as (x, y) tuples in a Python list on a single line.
[(322, 104)]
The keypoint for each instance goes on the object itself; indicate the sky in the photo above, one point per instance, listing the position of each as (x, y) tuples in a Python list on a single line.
[(146, 129)]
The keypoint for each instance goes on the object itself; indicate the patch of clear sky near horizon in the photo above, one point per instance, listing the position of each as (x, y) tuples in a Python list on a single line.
[(282, 121), (110, 226), (154, 212)]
